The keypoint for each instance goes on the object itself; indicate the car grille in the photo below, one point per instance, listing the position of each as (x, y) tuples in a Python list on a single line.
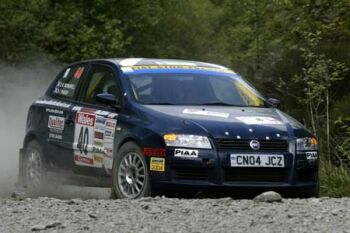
[(191, 173), (255, 175), (243, 145)]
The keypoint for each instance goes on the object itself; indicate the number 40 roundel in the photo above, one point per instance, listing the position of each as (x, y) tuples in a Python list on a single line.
[(83, 138)]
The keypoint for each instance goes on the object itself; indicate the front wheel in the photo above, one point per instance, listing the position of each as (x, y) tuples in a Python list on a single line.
[(130, 176)]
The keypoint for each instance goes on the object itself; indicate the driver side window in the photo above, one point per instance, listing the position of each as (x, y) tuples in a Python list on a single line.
[(101, 80)]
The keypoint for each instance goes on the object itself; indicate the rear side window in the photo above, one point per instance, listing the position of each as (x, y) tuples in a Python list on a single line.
[(68, 82)]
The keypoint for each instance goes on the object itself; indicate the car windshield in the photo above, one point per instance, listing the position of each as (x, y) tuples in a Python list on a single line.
[(193, 89)]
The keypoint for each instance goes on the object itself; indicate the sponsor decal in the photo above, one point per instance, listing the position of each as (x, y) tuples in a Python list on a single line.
[(112, 115), (257, 120), (81, 159), (206, 113), (111, 124), (83, 138), (185, 153), (53, 103), (102, 113), (108, 133), (54, 111), (175, 66), (78, 72), (98, 143), (157, 164), (161, 152), (76, 108), (68, 86), (87, 119), (97, 149), (92, 148), (100, 120), (98, 158), (99, 135), (99, 127), (55, 136), (56, 123), (311, 155), (63, 88)]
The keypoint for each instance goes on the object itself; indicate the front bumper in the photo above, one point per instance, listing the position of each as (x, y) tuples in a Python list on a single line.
[(212, 171)]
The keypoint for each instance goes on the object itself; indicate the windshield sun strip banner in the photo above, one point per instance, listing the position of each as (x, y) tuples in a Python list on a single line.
[(183, 67)]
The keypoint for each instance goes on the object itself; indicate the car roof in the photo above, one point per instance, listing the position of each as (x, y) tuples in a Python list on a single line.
[(124, 62)]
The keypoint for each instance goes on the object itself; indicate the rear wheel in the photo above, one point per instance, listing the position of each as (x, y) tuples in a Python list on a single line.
[(34, 169), (130, 176)]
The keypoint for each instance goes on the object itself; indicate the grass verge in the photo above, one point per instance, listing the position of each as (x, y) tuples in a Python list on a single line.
[(334, 181)]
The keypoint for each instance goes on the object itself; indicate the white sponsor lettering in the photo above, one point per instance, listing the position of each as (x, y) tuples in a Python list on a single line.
[(257, 120), (102, 113), (206, 113), (53, 102), (55, 111), (65, 85), (76, 108), (55, 136), (185, 153)]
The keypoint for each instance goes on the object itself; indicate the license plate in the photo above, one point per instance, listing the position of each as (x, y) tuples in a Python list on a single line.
[(254, 160)]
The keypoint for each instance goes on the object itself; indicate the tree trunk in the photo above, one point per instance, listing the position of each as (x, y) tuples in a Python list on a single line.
[(327, 123), (312, 118)]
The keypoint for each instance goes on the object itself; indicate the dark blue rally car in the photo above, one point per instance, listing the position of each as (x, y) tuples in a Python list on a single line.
[(142, 126)]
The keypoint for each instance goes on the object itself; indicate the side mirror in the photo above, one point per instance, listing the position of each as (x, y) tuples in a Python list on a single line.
[(107, 98), (274, 102)]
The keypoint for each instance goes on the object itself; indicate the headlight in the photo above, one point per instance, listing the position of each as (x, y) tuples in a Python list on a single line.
[(187, 140), (307, 144)]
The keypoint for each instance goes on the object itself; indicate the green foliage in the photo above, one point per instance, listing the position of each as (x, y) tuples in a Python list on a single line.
[(334, 181), (319, 72), (297, 51)]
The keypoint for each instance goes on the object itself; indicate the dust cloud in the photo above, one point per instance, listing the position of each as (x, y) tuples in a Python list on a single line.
[(20, 85)]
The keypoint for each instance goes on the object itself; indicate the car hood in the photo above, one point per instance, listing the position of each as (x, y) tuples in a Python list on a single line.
[(229, 122)]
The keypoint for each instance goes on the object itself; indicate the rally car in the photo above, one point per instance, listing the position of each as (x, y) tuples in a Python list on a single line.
[(141, 126)]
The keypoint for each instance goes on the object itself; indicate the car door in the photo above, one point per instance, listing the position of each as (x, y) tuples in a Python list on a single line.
[(60, 124), (95, 122)]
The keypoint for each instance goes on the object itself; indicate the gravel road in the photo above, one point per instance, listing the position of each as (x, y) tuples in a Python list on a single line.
[(161, 214)]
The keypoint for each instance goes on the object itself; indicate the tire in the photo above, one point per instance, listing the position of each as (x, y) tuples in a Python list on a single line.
[(33, 168), (130, 174)]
